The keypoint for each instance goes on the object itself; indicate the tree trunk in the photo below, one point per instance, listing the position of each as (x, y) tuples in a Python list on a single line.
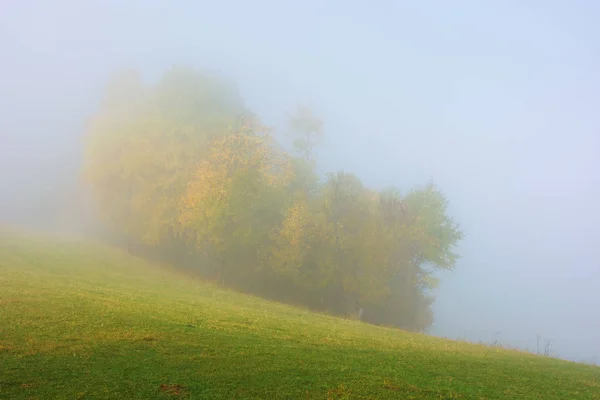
[(221, 274), (353, 308)]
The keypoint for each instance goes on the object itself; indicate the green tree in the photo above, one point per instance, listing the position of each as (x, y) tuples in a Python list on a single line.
[(435, 234), (347, 261), (418, 238)]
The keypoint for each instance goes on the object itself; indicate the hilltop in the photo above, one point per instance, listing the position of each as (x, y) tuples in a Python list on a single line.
[(80, 320)]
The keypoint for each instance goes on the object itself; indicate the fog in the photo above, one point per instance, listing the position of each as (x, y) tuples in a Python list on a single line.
[(498, 104)]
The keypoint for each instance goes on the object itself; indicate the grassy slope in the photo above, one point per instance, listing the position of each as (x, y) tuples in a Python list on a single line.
[(84, 321)]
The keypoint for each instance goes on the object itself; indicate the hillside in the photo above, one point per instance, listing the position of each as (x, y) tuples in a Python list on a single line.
[(83, 321)]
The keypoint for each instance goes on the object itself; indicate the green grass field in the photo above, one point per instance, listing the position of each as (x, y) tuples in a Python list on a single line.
[(83, 321)]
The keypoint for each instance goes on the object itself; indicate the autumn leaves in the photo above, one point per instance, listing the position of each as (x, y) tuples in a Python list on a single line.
[(169, 168)]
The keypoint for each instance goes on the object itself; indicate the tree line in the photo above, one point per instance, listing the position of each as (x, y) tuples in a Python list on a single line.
[(183, 170)]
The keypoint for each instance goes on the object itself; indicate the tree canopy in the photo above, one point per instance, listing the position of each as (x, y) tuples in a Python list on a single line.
[(174, 168)]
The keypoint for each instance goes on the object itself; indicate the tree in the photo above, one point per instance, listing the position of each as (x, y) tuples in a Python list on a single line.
[(181, 167), (347, 261), (418, 237), (235, 199), (435, 233), (307, 130), (144, 144)]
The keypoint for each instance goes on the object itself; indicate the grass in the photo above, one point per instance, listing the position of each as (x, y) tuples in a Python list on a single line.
[(83, 321)]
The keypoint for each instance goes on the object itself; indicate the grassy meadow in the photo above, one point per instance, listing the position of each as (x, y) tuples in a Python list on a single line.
[(83, 321)]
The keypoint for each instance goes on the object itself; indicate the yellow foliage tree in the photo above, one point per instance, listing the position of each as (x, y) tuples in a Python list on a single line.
[(143, 145), (235, 199)]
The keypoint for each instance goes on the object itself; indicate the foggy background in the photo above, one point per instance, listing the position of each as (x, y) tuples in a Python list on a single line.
[(498, 103)]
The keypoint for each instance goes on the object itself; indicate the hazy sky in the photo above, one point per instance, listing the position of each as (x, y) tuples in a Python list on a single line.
[(497, 101)]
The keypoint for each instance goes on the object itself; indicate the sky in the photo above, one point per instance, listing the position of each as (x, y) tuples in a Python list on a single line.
[(495, 101)]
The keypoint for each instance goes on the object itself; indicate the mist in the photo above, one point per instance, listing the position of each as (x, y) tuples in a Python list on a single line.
[(498, 105)]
